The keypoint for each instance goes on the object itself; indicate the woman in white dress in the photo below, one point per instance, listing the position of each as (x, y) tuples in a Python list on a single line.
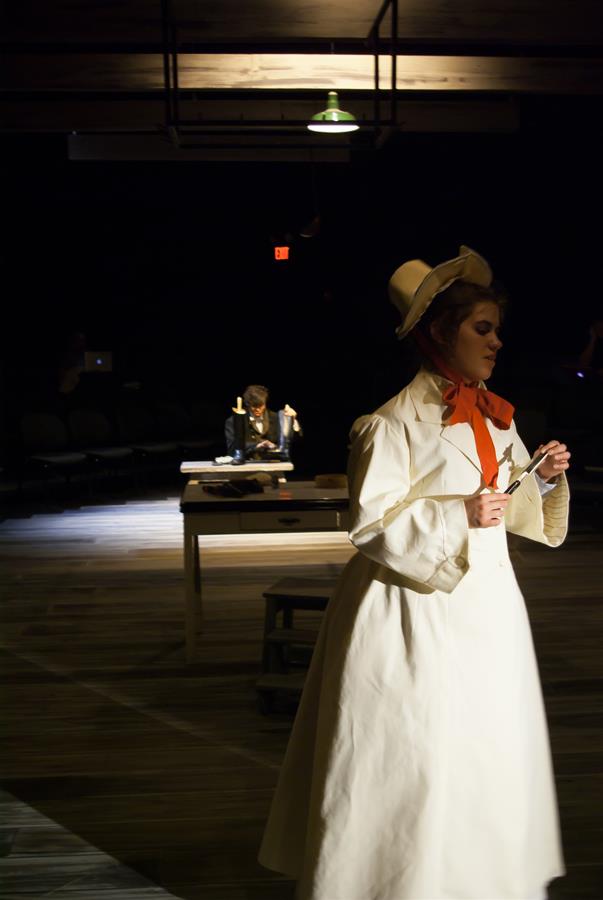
[(418, 766)]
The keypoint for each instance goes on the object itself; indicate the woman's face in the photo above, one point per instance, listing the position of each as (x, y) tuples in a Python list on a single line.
[(477, 343)]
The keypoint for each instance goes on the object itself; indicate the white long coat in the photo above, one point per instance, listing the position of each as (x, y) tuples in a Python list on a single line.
[(418, 766)]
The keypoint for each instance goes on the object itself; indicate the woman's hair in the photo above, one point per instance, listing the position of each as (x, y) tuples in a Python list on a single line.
[(255, 395), (453, 305)]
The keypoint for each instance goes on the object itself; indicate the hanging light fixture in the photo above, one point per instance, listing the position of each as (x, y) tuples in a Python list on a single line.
[(333, 120)]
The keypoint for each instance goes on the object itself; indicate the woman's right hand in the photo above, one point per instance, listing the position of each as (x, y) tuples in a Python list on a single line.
[(486, 510)]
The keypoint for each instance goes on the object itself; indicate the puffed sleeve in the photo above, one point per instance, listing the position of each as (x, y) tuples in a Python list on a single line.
[(424, 539), (528, 514)]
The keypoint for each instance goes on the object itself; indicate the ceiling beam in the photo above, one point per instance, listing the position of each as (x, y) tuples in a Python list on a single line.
[(322, 46), (197, 72)]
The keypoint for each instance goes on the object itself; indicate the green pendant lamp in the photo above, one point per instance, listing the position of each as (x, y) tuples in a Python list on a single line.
[(333, 120)]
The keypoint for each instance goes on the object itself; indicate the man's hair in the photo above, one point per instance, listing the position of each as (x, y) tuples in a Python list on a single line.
[(454, 305), (255, 395)]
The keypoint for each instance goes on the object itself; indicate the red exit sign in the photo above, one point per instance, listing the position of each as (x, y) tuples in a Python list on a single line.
[(281, 252)]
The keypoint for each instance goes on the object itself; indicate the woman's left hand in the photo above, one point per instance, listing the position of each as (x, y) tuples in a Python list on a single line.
[(556, 462)]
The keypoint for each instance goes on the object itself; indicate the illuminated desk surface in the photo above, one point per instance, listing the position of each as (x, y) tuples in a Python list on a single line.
[(206, 469)]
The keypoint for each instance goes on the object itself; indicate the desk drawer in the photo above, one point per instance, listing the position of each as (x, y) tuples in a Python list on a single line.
[(305, 520)]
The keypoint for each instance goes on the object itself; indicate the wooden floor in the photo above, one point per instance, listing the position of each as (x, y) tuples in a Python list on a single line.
[(127, 774)]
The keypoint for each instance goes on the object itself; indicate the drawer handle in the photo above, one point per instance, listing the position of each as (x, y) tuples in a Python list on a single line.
[(289, 520)]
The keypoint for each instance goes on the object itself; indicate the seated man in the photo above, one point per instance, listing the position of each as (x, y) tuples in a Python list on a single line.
[(266, 434)]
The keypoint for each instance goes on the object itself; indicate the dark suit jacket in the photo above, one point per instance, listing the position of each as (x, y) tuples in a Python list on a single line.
[(253, 437)]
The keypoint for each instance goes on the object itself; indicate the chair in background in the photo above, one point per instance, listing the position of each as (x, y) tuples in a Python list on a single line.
[(92, 433), (138, 429), (46, 449)]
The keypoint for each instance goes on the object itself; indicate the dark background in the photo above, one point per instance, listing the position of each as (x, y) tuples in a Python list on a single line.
[(171, 266)]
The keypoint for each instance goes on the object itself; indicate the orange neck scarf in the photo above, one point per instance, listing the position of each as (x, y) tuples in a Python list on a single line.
[(470, 403)]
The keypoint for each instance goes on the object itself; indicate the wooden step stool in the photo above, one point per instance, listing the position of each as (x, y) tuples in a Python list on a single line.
[(286, 646)]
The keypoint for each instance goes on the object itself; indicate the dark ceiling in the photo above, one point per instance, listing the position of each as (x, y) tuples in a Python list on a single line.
[(97, 67)]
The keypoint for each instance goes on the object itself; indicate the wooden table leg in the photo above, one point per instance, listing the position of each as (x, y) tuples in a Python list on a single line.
[(268, 654), (193, 601)]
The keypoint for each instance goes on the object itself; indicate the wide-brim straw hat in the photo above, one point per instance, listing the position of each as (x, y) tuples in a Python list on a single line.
[(414, 284)]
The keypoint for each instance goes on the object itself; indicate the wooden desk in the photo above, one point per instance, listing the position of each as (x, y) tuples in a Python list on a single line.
[(297, 506)]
